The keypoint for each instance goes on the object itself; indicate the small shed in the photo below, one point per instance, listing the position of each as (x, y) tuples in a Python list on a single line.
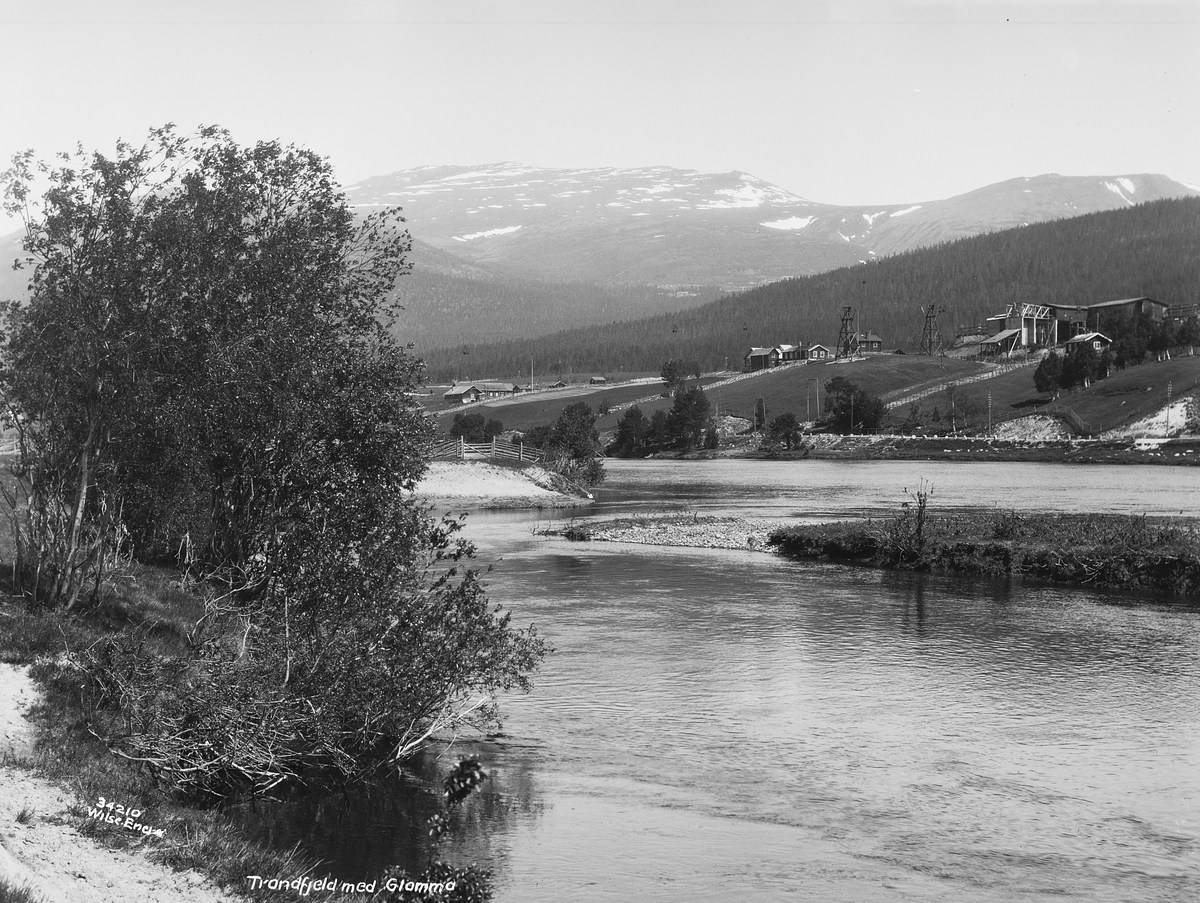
[(1002, 342), (1097, 341), (597, 381), (557, 385)]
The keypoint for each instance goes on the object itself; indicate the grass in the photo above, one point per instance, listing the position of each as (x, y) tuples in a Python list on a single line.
[(1125, 397), (68, 754), (1115, 551), (792, 390), (784, 390), (14, 893), (544, 407)]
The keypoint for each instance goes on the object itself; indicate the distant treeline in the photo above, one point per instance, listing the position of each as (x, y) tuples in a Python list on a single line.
[(452, 311), (1146, 250)]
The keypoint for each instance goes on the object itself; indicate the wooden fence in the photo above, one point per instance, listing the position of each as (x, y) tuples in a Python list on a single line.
[(497, 448)]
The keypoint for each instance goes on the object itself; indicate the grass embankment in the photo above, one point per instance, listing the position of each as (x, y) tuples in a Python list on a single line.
[(1126, 396), (68, 754), (1111, 551)]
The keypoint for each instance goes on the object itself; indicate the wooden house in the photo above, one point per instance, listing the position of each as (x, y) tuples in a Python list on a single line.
[(758, 358), (464, 393), (1097, 341), (869, 343), (468, 393), (816, 353)]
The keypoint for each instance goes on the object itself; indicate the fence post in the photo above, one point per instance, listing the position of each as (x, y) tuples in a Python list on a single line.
[(520, 451), (493, 446), (462, 452)]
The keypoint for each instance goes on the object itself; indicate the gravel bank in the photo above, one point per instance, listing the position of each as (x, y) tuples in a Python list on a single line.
[(680, 530)]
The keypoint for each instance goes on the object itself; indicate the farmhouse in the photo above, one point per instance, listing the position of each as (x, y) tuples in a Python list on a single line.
[(816, 353), (762, 358), (467, 393), (870, 343)]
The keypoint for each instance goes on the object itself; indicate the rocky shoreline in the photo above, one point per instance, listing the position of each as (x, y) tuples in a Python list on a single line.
[(687, 530)]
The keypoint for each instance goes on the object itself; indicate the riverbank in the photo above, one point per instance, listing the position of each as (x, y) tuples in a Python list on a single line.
[(53, 772), (822, 447), (43, 846), (1108, 551), (486, 485)]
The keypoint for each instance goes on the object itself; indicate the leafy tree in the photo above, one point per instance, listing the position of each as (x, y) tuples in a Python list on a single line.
[(673, 376), (784, 430), (850, 408), (207, 363), (1080, 367), (571, 444), (474, 428), (1047, 378)]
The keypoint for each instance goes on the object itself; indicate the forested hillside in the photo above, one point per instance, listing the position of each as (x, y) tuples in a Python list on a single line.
[(1149, 249)]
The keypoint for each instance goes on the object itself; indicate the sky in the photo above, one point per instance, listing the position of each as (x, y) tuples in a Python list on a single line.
[(841, 102)]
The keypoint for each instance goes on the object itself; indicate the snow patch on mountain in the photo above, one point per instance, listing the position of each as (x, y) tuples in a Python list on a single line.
[(490, 232), (871, 217), (906, 210), (792, 222), (1127, 184), (1116, 189)]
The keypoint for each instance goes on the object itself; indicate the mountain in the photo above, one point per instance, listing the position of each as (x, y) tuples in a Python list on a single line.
[(503, 252), (673, 227), (1145, 250)]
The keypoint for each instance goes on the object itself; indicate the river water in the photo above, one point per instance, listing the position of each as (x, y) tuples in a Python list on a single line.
[(719, 725)]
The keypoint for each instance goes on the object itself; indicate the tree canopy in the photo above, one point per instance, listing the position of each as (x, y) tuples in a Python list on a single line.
[(849, 408), (207, 369)]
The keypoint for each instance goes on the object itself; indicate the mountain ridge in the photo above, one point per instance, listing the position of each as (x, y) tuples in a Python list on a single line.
[(668, 226)]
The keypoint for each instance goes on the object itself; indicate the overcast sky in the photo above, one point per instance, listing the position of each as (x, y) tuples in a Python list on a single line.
[(841, 102)]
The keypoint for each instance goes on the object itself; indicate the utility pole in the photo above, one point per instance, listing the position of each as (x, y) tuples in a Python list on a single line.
[(1167, 434), (989, 413)]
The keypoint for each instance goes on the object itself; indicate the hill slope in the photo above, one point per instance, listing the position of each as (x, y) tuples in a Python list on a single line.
[(1149, 249)]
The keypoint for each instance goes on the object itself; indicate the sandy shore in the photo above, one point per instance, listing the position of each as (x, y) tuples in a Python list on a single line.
[(45, 850), (478, 484)]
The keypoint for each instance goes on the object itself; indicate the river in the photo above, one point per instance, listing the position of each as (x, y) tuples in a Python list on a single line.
[(719, 725)]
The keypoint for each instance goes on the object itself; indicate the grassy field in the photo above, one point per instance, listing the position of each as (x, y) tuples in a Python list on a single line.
[(795, 389), (1126, 396), (544, 407)]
